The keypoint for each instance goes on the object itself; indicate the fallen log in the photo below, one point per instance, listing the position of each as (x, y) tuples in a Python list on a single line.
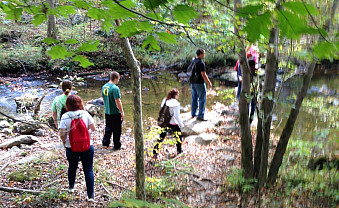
[(19, 190)]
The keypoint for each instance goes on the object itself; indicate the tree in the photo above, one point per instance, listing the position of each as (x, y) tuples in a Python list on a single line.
[(51, 25)]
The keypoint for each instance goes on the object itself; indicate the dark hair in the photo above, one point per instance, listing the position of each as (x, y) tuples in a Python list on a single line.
[(172, 93), (66, 87), (251, 63), (200, 51), (73, 103), (114, 75)]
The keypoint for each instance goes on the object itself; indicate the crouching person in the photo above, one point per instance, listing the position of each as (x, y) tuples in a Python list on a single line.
[(75, 128)]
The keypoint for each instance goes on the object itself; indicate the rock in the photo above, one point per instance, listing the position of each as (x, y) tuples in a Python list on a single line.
[(98, 101), (24, 128), (76, 19), (96, 111), (230, 129), (25, 174), (182, 75), (38, 132), (228, 158), (206, 139), (26, 102), (195, 127), (230, 78), (7, 131), (53, 86), (23, 139), (331, 92), (4, 124)]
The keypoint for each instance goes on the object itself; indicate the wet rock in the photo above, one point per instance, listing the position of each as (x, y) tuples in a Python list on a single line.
[(7, 131), (23, 139), (98, 101), (4, 124), (39, 132), (230, 78), (96, 111), (26, 102), (230, 129), (25, 128)]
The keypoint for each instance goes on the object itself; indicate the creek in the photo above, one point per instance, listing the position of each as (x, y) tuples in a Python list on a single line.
[(317, 120)]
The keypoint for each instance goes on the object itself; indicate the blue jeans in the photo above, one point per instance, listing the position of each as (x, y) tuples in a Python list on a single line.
[(198, 99), (86, 159)]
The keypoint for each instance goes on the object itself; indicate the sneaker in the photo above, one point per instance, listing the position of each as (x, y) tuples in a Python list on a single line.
[(201, 119), (92, 200), (104, 147)]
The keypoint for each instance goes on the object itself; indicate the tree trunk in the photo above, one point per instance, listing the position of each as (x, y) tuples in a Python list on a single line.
[(267, 103), (288, 129), (51, 25), (137, 116), (245, 131), (285, 135)]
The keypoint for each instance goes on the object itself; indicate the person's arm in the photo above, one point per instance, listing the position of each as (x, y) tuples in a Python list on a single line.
[(55, 118), (176, 115), (205, 77), (119, 105), (63, 135)]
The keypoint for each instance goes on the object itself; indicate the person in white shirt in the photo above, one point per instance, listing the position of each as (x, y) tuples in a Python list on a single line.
[(175, 124), (75, 108)]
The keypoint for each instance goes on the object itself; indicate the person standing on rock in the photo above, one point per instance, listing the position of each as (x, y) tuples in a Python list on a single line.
[(58, 105), (68, 127), (114, 112), (175, 124), (198, 87)]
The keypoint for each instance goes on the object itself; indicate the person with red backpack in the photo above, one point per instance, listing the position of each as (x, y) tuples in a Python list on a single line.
[(75, 128), (175, 124)]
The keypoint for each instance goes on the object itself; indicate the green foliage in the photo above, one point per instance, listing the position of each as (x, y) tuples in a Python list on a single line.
[(258, 25), (58, 52), (236, 181), (227, 95), (151, 43), (128, 202), (184, 14)]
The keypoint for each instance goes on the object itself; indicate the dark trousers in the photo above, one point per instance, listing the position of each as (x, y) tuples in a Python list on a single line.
[(113, 125), (176, 131), (86, 159)]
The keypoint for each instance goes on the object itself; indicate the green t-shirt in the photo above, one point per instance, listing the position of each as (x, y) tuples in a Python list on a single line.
[(110, 92), (58, 103)]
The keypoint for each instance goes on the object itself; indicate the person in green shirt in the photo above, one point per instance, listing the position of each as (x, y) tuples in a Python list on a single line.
[(114, 113), (60, 101)]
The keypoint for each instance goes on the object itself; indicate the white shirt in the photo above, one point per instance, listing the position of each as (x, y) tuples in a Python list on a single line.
[(66, 120), (174, 108)]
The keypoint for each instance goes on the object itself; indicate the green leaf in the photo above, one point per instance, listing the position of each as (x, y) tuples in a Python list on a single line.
[(152, 4), (95, 13), (130, 28), (167, 38), (249, 10), (84, 62), (258, 25), (13, 13), (89, 46), (71, 41), (81, 4), (157, 16), (117, 12), (325, 50), (58, 51), (39, 19), (144, 26), (65, 11), (184, 14), (50, 40), (152, 43), (299, 8), (290, 24)]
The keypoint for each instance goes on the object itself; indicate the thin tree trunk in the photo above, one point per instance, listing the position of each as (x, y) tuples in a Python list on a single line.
[(51, 25), (245, 131), (288, 129), (267, 103), (137, 116), (285, 135)]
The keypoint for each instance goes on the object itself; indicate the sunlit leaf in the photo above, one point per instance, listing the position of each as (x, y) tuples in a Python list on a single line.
[(258, 25), (39, 19), (151, 4), (50, 40), (152, 43), (66, 10), (71, 41), (117, 12), (167, 38), (326, 50), (89, 46), (13, 13), (58, 51), (82, 4), (300, 8), (84, 62), (184, 14), (250, 10)]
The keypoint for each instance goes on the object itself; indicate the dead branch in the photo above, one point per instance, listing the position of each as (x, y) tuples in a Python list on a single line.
[(37, 106), (18, 190), (115, 184), (3, 167), (199, 182), (44, 186)]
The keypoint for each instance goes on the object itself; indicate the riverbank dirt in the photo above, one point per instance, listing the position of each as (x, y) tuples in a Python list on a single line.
[(196, 177)]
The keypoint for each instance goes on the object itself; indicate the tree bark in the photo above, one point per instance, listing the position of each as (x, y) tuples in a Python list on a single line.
[(51, 25), (267, 102), (137, 116), (285, 135)]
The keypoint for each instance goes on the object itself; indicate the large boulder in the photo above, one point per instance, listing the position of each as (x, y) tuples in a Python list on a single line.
[(230, 78), (25, 128), (202, 139), (196, 127), (26, 102), (4, 124), (96, 111)]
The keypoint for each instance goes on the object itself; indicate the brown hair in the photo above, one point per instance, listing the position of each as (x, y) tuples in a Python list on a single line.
[(73, 103), (66, 87), (114, 75), (172, 93), (200, 51)]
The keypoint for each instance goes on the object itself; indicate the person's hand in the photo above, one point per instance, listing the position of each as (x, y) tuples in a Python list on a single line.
[(122, 115), (210, 85), (240, 78)]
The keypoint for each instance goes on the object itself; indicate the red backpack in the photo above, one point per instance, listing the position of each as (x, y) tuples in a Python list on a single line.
[(79, 136)]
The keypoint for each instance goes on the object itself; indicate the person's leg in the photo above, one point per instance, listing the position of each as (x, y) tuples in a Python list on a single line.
[(202, 100), (161, 139), (116, 126), (108, 130), (253, 103), (87, 164), (194, 100), (239, 89), (177, 133), (73, 160)]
